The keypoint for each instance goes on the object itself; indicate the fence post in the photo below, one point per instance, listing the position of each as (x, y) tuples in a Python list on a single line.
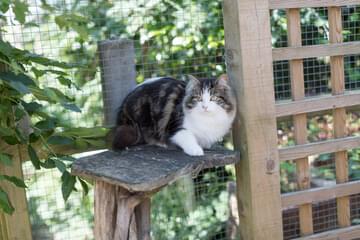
[(117, 62), (16, 226), (249, 66)]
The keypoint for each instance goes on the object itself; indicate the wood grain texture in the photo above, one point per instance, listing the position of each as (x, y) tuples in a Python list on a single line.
[(339, 114), (143, 219), (117, 63), (323, 50), (145, 168), (280, 4), (329, 146), (320, 194), (114, 212), (249, 67), (321, 103), (348, 233), (299, 120), (17, 226)]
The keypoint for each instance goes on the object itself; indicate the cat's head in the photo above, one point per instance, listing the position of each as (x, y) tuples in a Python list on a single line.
[(209, 96)]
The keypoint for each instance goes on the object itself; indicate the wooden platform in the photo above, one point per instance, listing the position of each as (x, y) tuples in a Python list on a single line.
[(146, 168)]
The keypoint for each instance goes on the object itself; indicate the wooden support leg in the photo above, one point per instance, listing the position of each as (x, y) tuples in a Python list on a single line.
[(115, 217), (143, 219)]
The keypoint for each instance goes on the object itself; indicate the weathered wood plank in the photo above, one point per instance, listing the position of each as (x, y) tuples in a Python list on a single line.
[(348, 233), (145, 168), (320, 194), (280, 4), (321, 103), (339, 114), (323, 50), (249, 67), (329, 146), (300, 120), (17, 226), (117, 62)]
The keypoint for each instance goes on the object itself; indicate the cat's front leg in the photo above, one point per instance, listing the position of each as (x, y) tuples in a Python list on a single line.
[(187, 141)]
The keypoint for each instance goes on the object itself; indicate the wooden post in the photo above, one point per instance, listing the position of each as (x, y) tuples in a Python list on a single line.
[(16, 226), (300, 120), (339, 114), (249, 66), (117, 61)]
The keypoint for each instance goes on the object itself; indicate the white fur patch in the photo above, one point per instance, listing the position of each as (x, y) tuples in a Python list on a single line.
[(187, 141), (207, 121)]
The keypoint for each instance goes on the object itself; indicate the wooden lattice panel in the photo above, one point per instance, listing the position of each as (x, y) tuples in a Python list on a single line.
[(309, 208)]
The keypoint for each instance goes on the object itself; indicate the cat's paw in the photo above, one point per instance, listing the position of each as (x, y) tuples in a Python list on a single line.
[(194, 150)]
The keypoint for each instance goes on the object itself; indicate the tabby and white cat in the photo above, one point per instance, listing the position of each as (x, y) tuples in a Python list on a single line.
[(192, 116)]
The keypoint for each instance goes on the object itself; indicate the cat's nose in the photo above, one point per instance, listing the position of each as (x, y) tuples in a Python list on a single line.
[(205, 107)]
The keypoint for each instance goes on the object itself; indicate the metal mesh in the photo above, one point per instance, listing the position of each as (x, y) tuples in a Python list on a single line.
[(199, 208), (352, 72), (314, 26), (177, 38), (291, 224), (51, 217), (324, 216), (170, 39), (355, 209)]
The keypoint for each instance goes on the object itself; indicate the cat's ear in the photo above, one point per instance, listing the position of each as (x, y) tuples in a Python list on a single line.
[(193, 79), (222, 80)]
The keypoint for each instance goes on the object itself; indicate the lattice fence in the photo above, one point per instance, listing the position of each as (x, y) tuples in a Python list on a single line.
[(312, 65)]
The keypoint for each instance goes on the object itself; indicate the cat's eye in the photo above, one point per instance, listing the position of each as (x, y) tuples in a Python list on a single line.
[(195, 98), (214, 98)]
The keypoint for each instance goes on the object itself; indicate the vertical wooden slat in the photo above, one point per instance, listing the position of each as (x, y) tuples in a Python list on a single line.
[(249, 67), (339, 115), (300, 120), (17, 225)]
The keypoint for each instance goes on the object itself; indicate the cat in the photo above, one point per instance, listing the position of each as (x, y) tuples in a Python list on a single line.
[(162, 111)]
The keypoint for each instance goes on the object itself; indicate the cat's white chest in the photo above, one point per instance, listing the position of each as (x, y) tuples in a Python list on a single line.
[(208, 128)]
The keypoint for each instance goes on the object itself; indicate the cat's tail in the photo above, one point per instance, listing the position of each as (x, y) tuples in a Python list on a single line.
[(124, 136)]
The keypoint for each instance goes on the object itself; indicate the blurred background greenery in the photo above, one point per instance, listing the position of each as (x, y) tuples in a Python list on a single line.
[(171, 37)]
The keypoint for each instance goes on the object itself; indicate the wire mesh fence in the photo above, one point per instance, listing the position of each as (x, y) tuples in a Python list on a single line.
[(174, 38)]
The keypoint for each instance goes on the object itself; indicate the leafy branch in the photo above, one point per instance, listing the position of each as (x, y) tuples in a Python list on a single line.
[(24, 97)]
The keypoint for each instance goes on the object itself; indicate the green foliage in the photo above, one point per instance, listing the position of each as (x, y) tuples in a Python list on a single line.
[(23, 97)]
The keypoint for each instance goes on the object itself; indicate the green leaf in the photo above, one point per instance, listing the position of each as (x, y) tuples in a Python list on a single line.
[(72, 107), (84, 186), (6, 131), (68, 184), (31, 107), (48, 164), (34, 157), (47, 124), (11, 140), (5, 159), (16, 181), (64, 81), (5, 48), (95, 132), (60, 140), (20, 9), (19, 113), (61, 21), (4, 6), (5, 204), (80, 143), (19, 82), (96, 143), (60, 165)]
